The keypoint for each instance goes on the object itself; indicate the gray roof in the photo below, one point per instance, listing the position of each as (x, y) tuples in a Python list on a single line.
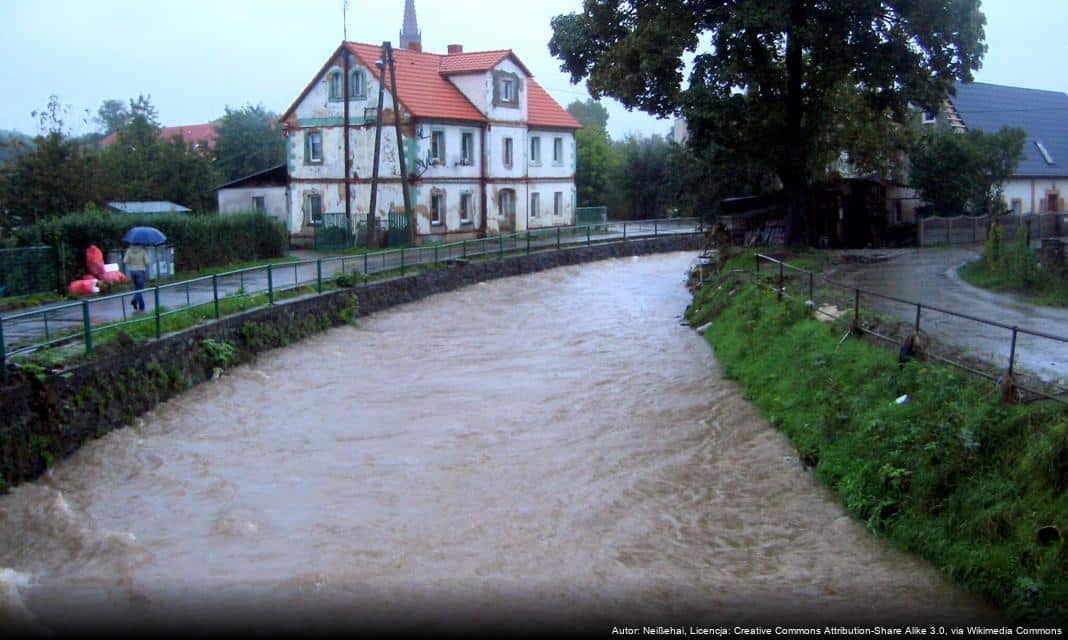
[(1043, 115), (148, 207)]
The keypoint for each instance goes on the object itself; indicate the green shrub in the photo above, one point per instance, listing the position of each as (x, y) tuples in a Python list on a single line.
[(199, 241)]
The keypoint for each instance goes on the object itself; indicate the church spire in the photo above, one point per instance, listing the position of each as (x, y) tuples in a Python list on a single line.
[(410, 33)]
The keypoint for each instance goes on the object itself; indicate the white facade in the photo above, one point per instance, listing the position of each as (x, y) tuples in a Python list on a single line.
[(460, 171), (1035, 195), (245, 199)]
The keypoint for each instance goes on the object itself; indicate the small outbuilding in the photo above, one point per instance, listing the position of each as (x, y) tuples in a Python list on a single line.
[(158, 206), (263, 191)]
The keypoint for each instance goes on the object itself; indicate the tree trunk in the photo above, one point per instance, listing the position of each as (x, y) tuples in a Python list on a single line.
[(793, 176)]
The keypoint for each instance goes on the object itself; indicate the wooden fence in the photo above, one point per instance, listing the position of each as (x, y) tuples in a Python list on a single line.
[(968, 229)]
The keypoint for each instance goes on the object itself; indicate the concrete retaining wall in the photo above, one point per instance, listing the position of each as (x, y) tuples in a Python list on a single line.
[(46, 418)]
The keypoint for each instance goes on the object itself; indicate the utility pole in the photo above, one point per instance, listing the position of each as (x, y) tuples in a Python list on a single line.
[(345, 129), (372, 240), (388, 51)]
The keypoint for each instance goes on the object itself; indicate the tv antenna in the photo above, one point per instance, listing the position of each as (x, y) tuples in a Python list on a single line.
[(345, 20)]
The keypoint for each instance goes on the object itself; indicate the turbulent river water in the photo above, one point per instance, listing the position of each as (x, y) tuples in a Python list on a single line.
[(548, 447)]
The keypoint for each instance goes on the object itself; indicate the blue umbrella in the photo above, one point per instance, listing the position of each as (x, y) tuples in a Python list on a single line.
[(144, 235)]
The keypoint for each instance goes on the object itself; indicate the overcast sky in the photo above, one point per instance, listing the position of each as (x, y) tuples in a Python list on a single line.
[(195, 57)]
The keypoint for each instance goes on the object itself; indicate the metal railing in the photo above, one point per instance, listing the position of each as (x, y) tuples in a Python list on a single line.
[(78, 323), (848, 299)]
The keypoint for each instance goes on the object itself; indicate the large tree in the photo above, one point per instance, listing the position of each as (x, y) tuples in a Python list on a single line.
[(249, 140), (771, 81), (112, 116)]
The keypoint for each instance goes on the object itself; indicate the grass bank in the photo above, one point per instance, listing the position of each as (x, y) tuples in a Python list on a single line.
[(1049, 291), (976, 486)]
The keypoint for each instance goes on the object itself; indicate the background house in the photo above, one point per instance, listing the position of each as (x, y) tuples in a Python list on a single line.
[(192, 133), (1041, 178)]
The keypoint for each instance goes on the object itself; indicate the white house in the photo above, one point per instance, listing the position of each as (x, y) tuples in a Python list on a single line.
[(487, 149)]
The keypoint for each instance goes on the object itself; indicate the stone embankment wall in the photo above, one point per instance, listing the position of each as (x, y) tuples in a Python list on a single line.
[(46, 418)]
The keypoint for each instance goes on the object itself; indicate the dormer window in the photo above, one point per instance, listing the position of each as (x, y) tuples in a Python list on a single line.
[(506, 88)]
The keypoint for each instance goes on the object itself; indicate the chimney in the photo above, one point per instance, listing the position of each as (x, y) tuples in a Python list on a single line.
[(416, 46), (456, 48)]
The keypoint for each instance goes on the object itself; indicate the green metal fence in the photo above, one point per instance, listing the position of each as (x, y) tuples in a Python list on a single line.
[(78, 324), (590, 215), (333, 232), (398, 229), (27, 270)]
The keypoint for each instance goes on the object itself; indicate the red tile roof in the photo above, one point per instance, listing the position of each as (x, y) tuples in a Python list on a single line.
[(425, 91), (476, 61), (543, 111), (188, 133)]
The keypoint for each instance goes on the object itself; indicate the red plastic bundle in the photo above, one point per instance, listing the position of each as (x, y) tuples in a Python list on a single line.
[(94, 262), (84, 287)]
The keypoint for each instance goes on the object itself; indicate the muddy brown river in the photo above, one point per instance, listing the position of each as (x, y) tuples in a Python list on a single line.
[(547, 449)]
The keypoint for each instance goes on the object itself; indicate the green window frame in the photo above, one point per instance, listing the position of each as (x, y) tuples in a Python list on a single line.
[(358, 84), (313, 146)]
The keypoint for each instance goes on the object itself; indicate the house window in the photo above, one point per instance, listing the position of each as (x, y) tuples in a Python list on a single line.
[(437, 208), (357, 85), (437, 147), (508, 152), (535, 200), (467, 148), (258, 204), (465, 208), (1017, 206), (313, 208), (506, 89), (558, 150), (929, 118), (535, 150), (313, 147), (558, 203), (334, 80)]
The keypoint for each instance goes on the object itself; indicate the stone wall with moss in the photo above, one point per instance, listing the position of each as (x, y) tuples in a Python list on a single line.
[(46, 418)]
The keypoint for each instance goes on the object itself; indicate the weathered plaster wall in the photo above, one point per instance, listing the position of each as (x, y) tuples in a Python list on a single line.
[(47, 419), (318, 106), (1033, 193), (503, 113), (239, 200)]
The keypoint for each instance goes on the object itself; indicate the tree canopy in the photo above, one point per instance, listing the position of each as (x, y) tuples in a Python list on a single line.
[(962, 173), (248, 140), (591, 114), (772, 82)]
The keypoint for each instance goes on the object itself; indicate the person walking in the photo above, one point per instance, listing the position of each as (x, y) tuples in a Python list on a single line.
[(136, 260)]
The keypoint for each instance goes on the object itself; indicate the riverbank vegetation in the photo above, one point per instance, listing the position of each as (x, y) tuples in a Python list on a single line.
[(976, 486), (1013, 267)]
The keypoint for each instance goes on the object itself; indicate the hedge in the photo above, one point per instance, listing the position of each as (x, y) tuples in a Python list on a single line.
[(199, 241)]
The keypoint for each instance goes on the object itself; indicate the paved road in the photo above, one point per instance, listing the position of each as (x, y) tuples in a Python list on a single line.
[(929, 276), (33, 326)]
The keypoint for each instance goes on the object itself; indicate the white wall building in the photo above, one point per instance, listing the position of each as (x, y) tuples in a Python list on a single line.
[(487, 150)]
